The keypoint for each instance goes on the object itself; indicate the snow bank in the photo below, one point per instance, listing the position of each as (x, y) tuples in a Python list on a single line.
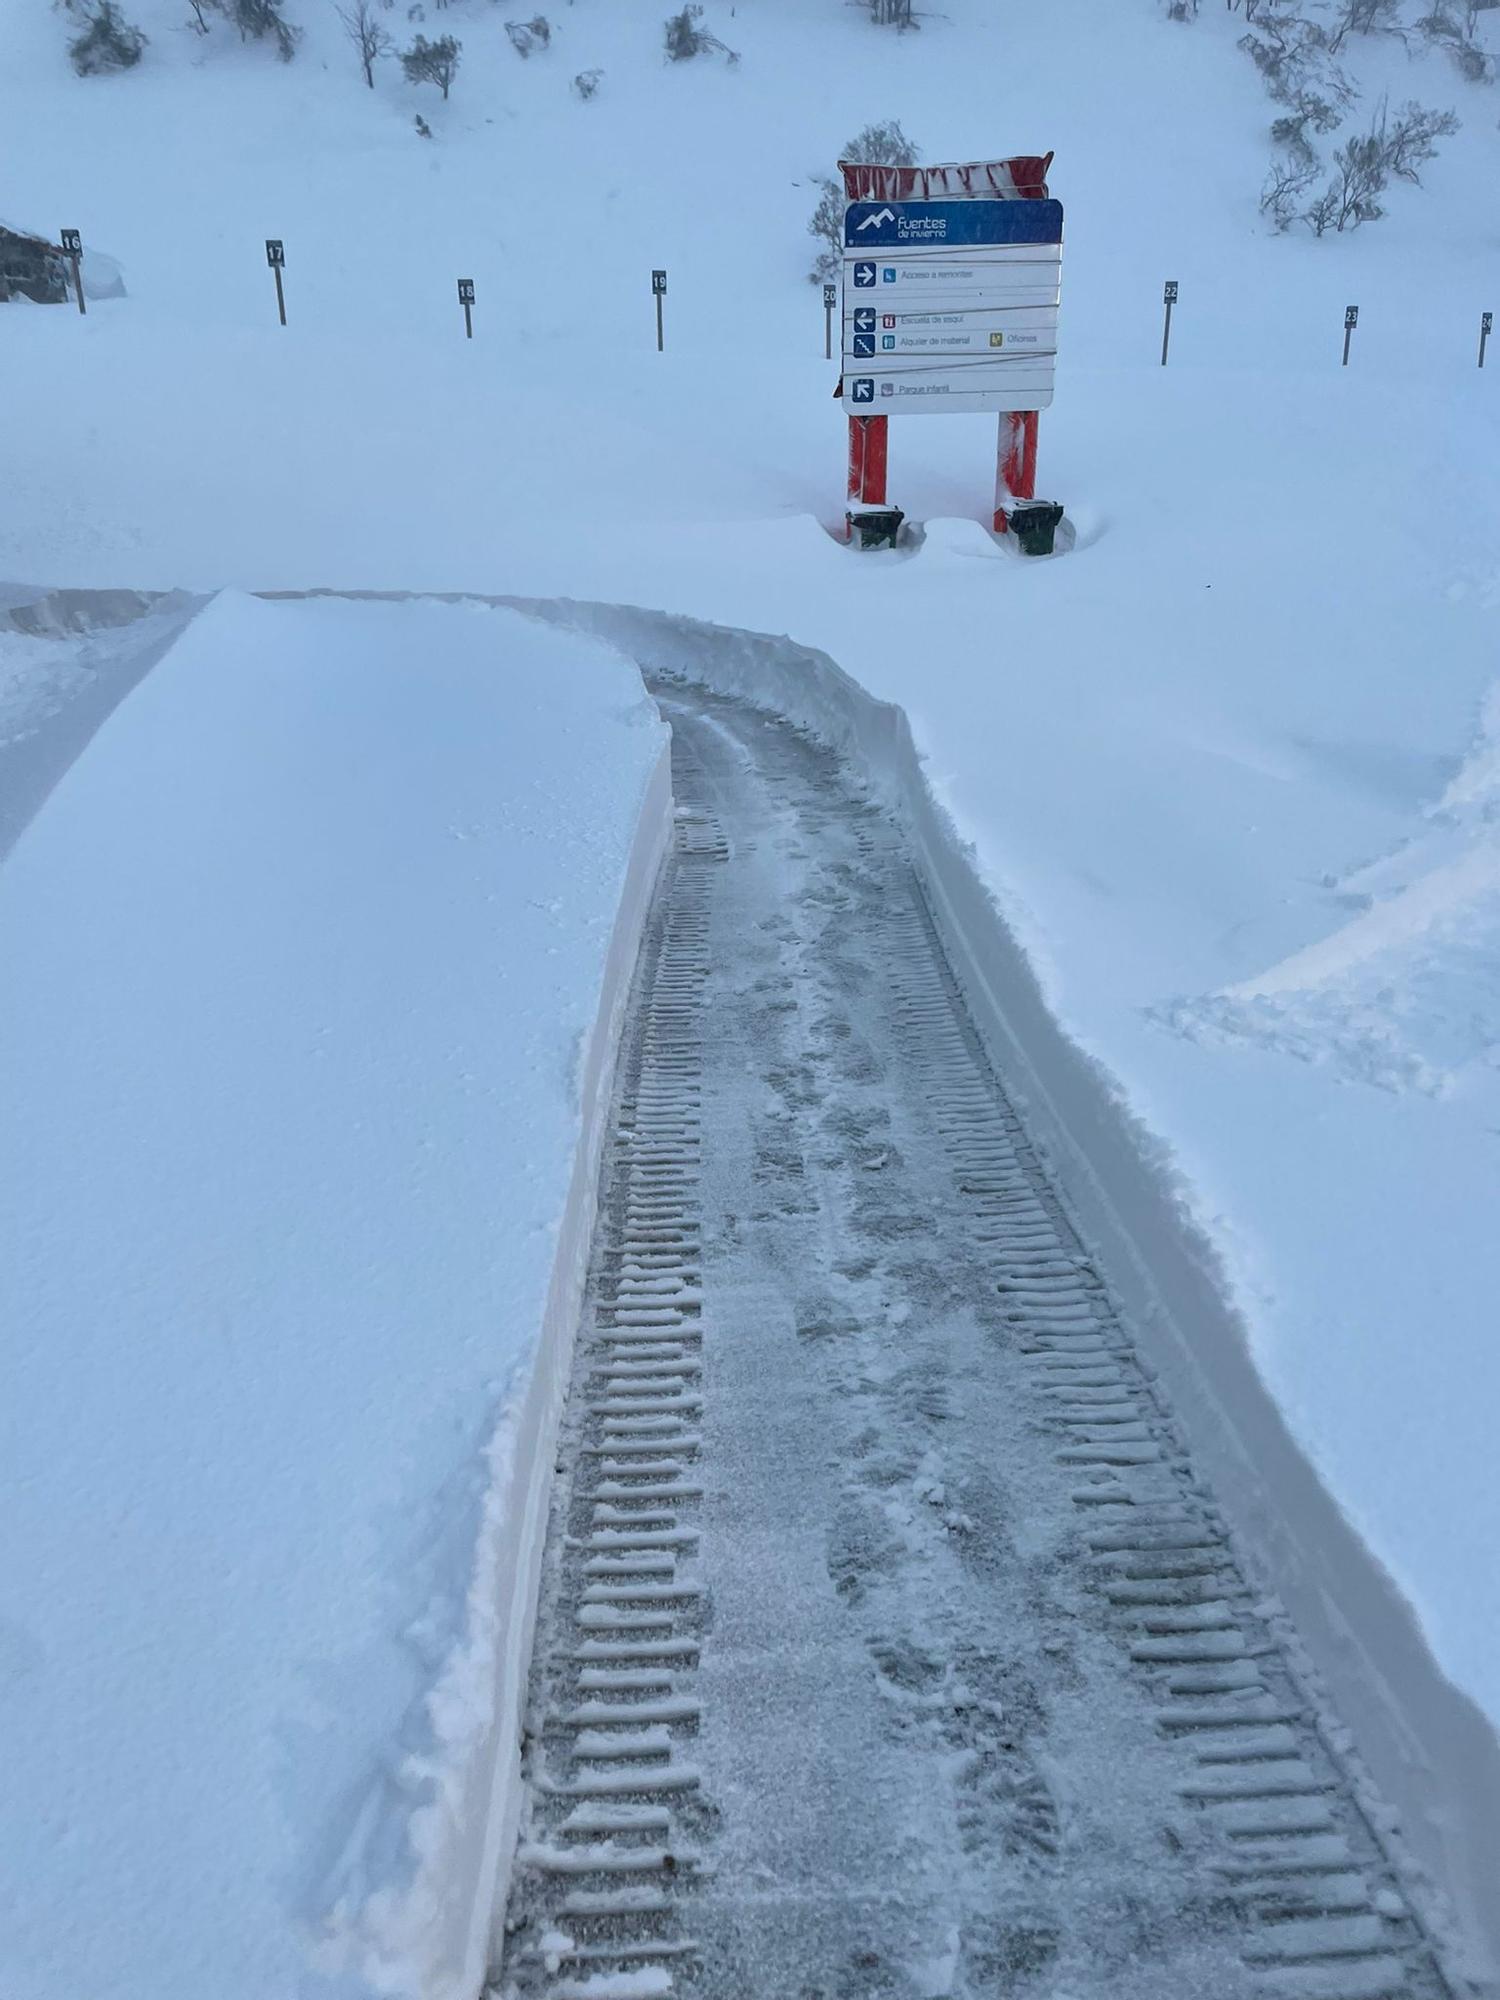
[(315, 963)]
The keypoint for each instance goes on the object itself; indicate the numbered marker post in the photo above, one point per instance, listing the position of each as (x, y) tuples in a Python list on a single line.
[(72, 248), (1486, 322), (1351, 321), (276, 258), (659, 292), (830, 300), (466, 300), (1168, 299)]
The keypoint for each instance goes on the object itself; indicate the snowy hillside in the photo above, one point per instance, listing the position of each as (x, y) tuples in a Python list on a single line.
[(222, 427), (1227, 771)]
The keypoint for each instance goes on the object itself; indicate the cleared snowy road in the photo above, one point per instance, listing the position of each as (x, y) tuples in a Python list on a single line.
[(889, 1645)]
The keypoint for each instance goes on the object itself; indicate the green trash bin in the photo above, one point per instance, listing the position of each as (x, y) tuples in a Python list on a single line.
[(874, 527), (1034, 525)]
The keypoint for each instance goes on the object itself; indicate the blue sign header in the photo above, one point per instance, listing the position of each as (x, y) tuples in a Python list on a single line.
[(919, 225)]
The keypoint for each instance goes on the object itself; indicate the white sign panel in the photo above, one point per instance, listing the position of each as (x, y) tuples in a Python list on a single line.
[(951, 306)]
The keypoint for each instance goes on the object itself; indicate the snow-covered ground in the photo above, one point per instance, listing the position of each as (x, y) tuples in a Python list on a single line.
[(1228, 768), (314, 963)]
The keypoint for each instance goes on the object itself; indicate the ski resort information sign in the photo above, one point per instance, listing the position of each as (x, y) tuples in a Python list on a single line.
[(950, 306)]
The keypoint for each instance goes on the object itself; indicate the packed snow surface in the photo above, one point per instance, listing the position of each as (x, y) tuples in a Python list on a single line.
[(303, 963)]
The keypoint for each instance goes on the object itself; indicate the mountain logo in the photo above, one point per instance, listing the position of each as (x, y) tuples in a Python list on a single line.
[(874, 221)]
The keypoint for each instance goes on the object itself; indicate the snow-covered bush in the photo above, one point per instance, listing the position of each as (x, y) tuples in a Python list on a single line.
[(432, 62), (685, 39), (108, 41), (524, 36), (587, 82), (883, 145), (262, 21)]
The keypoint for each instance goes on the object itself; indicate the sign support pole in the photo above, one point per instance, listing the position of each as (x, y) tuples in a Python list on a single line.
[(1015, 465), (1351, 321), (276, 258), (1486, 323), (830, 300), (868, 438), (659, 292), (72, 243)]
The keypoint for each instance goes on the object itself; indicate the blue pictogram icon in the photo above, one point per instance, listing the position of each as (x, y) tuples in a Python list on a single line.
[(887, 274), (888, 341)]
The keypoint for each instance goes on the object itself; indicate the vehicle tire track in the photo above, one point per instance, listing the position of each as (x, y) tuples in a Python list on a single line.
[(890, 1644)]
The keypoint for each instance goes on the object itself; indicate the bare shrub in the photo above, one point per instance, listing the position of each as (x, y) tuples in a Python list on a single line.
[(370, 39), (685, 39), (1286, 185), (884, 144), (897, 14), (1394, 148), (1364, 17), (1294, 54), (1454, 27), (524, 36), (1308, 113), (263, 21)]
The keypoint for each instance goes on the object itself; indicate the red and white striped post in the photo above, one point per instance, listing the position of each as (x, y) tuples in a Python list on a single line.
[(1015, 463), (867, 456)]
